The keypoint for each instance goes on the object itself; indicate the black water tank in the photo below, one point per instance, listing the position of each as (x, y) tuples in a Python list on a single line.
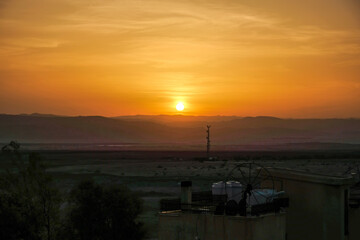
[(231, 208)]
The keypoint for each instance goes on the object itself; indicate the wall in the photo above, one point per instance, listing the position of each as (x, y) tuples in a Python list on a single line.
[(186, 226), (354, 223), (317, 205)]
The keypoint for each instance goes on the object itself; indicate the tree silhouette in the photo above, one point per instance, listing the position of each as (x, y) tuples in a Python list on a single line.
[(30, 207), (103, 213), (12, 147), (29, 204)]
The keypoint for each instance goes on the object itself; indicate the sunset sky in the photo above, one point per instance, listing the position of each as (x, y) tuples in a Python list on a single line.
[(281, 58)]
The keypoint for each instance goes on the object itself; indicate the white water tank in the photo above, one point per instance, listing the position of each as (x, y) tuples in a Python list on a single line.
[(218, 188), (233, 190)]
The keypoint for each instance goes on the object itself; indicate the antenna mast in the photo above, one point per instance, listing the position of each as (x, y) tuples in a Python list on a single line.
[(208, 141)]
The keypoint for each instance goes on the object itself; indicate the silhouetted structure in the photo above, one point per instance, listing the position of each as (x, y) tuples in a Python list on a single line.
[(13, 146), (208, 141), (312, 206)]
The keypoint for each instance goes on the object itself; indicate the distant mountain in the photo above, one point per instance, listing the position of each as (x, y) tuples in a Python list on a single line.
[(39, 115), (179, 120), (186, 130)]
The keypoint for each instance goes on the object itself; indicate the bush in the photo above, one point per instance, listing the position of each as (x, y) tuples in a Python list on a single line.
[(103, 213), (29, 204)]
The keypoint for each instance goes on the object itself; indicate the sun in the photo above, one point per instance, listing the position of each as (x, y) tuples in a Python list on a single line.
[(180, 106)]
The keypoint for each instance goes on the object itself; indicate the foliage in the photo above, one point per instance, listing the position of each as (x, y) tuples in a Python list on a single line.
[(29, 204), (13, 146), (97, 212)]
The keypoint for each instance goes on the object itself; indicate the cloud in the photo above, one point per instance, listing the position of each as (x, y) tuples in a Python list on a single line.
[(151, 26), (172, 48)]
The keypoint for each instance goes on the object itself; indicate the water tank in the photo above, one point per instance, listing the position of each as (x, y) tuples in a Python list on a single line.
[(233, 190), (260, 196)]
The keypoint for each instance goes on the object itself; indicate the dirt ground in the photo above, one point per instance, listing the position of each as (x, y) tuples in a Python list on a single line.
[(155, 175)]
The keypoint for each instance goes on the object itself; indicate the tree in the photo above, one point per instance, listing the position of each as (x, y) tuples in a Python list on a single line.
[(29, 203), (13, 146), (103, 213)]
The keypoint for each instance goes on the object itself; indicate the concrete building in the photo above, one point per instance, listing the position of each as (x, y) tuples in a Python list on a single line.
[(319, 205), (192, 219), (180, 225), (320, 208), (354, 212)]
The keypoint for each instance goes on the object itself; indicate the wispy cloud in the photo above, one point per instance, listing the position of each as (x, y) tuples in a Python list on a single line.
[(180, 45)]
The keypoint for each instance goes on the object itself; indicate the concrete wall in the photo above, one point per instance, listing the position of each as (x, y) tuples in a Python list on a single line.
[(354, 223), (317, 205), (187, 226)]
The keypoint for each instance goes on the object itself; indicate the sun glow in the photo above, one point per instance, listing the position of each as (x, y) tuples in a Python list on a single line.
[(114, 58), (180, 106)]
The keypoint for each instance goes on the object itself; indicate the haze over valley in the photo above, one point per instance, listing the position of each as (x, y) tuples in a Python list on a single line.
[(227, 132)]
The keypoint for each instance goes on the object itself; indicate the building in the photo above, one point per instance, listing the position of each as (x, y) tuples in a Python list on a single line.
[(318, 207), (201, 218)]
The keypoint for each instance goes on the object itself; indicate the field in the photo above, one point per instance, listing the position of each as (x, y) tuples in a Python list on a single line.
[(157, 174)]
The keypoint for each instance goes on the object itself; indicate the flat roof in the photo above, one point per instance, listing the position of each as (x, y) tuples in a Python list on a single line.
[(297, 175)]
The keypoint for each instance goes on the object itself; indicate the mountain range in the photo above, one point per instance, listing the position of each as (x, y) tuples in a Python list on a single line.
[(177, 129)]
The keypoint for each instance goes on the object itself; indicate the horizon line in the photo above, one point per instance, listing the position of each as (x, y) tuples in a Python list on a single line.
[(170, 115)]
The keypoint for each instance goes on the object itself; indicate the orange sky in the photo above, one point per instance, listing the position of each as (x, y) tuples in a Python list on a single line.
[(219, 57)]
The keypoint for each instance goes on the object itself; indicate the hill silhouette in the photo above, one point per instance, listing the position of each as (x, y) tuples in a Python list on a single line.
[(37, 128)]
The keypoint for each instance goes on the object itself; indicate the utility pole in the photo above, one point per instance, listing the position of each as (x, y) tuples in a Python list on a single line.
[(208, 141)]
